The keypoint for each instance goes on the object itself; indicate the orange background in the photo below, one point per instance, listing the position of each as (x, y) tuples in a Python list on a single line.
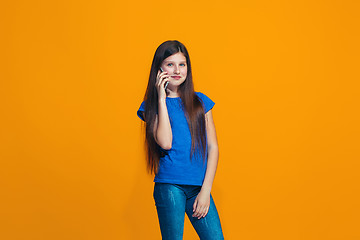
[(285, 79)]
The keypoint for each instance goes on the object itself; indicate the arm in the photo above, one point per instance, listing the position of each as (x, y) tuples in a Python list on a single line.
[(202, 202), (213, 153), (162, 127)]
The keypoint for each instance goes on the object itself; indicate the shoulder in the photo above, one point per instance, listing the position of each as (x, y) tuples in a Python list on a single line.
[(201, 95), (142, 106), (207, 102), (141, 110)]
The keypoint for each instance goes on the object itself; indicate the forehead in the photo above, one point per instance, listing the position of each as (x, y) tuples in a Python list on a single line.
[(177, 57)]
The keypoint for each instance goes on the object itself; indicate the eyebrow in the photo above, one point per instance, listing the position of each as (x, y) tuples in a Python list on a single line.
[(173, 61)]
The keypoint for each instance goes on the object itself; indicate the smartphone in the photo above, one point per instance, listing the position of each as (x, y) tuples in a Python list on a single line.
[(167, 81)]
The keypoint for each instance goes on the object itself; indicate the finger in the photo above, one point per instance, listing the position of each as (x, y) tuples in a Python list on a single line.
[(205, 212), (160, 81), (194, 205), (164, 79), (162, 74), (198, 214), (158, 76), (198, 208), (198, 211), (202, 214)]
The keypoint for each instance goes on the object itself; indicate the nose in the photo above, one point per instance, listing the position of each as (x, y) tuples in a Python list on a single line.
[(176, 69)]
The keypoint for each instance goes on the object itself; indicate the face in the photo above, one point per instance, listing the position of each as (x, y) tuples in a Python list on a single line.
[(176, 67)]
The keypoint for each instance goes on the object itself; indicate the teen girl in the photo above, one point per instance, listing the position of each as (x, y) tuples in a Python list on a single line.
[(181, 145)]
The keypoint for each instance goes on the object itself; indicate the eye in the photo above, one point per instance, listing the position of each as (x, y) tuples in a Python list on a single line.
[(169, 64), (183, 64)]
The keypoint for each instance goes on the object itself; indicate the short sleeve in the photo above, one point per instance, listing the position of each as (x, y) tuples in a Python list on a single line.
[(141, 110), (207, 102)]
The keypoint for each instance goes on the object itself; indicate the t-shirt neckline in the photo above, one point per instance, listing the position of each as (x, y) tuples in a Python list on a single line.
[(174, 97)]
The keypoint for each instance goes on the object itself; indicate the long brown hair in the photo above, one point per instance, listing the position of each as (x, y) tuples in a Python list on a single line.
[(193, 108)]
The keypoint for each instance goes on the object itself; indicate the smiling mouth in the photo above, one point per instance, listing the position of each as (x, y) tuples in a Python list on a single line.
[(177, 77)]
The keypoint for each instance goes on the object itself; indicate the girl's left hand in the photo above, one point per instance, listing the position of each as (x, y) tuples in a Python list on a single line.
[(201, 204)]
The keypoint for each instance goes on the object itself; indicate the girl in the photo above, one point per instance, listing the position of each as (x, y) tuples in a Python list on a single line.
[(181, 145)]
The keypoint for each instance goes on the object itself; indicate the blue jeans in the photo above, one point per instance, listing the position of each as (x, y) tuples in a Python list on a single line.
[(173, 201)]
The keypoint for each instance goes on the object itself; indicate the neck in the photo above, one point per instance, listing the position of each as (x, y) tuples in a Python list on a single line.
[(171, 93)]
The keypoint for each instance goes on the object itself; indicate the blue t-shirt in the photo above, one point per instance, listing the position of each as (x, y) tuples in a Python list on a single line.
[(176, 166)]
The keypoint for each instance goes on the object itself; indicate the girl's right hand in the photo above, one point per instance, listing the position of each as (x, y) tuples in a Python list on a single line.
[(161, 80)]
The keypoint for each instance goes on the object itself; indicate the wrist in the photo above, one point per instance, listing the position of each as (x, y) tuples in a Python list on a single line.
[(206, 189), (161, 97), (161, 100)]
